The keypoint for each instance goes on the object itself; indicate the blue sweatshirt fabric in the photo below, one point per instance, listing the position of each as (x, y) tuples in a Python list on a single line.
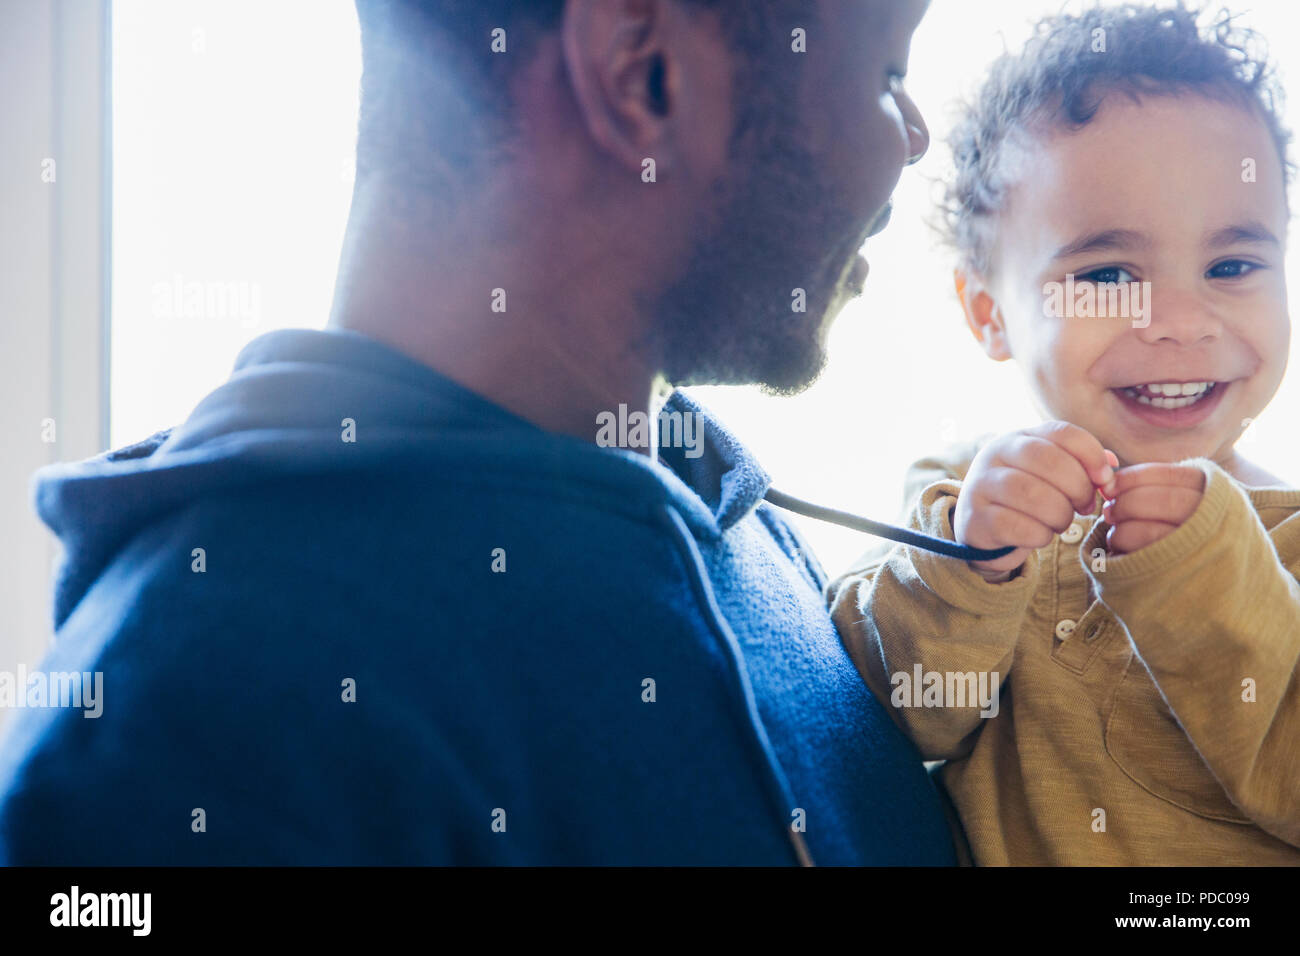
[(501, 716)]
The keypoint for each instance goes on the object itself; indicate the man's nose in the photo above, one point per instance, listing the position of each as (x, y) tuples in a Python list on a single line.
[(918, 134)]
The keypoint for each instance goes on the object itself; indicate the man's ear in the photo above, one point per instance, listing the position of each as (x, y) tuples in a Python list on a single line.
[(983, 315), (623, 75)]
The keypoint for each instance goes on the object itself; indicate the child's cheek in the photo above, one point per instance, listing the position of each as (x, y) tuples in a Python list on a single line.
[(1066, 352)]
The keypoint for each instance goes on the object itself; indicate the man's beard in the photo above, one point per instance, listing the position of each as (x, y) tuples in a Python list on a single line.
[(730, 319)]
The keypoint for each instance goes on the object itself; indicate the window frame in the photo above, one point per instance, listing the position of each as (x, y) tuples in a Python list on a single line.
[(56, 96)]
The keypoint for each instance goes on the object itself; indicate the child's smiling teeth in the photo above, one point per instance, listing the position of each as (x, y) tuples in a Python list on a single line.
[(1170, 394)]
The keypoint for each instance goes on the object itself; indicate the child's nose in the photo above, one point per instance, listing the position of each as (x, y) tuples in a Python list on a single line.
[(1180, 317)]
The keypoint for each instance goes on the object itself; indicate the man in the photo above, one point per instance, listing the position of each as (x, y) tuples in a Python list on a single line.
[(387, 597)]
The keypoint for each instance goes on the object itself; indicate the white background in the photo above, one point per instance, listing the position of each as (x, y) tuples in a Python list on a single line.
[(234, 125)]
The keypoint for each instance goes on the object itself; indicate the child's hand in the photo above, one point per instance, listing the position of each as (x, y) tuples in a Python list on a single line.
[(1150, 501), (1025, 487)]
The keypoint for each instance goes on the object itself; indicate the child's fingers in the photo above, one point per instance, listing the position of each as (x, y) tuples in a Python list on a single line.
[(1052, 464), (997, 526), (1108, 489), (1084, 448), (1158, 473), (1134, 535), (1152, 503), (1030, 494)]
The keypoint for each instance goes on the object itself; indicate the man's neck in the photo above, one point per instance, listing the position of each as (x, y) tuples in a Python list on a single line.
[(554, 349)]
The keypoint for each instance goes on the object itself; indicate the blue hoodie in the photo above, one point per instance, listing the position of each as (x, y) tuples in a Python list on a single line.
[(455, 639)]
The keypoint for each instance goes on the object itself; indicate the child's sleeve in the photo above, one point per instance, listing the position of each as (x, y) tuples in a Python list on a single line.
[(901, 607), (1213, 610)]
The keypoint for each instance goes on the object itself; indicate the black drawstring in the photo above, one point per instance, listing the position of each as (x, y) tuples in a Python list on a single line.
[(881, 530)]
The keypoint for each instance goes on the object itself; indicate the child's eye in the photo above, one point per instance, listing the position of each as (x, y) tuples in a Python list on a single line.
[(1231, 269), (1108, 275)]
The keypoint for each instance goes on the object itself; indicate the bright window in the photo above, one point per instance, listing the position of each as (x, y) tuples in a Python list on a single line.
[(234, 123), (234, 126)]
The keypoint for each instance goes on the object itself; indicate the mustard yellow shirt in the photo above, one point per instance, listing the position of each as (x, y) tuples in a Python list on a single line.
[(1149, 708)]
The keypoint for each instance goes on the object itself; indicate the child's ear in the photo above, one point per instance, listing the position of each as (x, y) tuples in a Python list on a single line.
[(982, 315)]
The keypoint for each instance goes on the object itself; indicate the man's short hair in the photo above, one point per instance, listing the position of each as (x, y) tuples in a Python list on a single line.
[(423, 58)]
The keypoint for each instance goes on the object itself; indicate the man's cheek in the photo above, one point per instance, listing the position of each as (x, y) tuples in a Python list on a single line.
[(870, 154), (889, 141)]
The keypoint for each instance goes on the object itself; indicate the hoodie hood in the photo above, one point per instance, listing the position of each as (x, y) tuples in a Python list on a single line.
[(283, 414)]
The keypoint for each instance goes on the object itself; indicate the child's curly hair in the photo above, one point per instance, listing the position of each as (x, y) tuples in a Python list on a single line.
[(1061, 78)]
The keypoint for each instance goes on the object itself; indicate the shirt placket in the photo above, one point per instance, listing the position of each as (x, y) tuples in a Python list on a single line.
[(1080, 623)]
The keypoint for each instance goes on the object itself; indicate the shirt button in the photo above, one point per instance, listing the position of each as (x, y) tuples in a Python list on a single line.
[(1064, 629), (1073, 533)]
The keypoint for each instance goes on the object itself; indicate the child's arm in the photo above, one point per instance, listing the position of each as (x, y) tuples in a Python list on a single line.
[(1212, 607), (911, 607)]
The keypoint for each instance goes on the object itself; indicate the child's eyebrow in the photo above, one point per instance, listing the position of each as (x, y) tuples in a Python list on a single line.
[(1106, 239), (1251, 231)]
